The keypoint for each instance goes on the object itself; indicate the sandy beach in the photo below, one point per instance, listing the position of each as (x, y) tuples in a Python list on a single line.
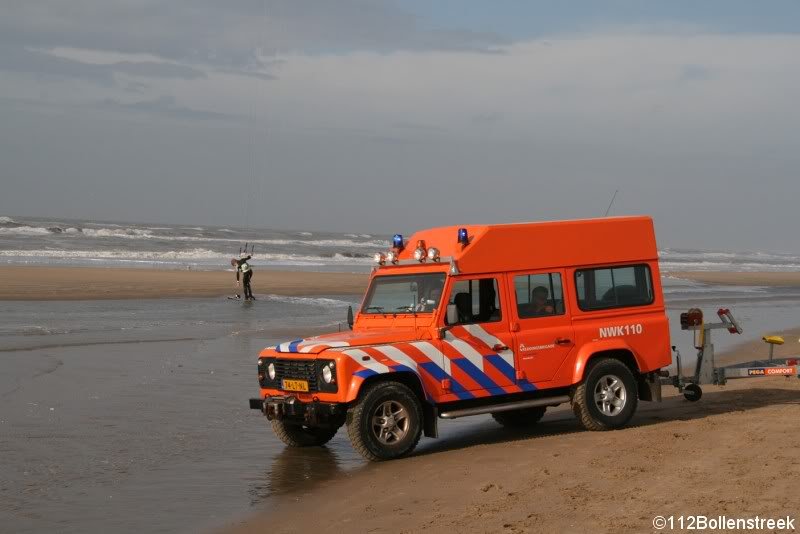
[(100, 420), (730, 454), (86, 283)]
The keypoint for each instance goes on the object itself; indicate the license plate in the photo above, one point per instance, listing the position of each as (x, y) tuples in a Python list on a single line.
[(295, 385)]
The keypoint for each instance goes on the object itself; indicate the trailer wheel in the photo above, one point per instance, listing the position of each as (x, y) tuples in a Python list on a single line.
[(692, 393), (607, 397), (520, 418), (386, 422), (295, 435)]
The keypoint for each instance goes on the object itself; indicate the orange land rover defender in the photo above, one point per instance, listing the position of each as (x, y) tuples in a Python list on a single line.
[(499, 319)]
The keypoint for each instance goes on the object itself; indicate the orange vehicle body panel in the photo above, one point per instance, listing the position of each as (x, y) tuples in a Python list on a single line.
[(512, 354)]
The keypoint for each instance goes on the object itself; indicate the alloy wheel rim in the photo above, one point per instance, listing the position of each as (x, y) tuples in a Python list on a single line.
[(390, 422), (610, 395)]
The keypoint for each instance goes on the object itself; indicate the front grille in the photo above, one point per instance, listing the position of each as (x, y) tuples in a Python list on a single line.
[(298, 370)]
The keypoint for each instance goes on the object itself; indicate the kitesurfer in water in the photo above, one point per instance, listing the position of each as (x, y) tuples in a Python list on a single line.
[(244, 269)]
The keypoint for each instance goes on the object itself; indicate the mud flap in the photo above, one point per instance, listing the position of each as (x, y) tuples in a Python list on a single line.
[(430, 425), (650, 387)]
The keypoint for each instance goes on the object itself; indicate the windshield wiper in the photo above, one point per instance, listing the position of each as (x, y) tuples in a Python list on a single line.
[(406, 308), (378, 308)]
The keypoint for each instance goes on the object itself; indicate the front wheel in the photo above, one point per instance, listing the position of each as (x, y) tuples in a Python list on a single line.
[(386, 422), (607, 397), (296, 435)]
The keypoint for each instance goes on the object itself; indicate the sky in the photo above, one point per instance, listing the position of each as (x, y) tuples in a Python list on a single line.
[(386, 116)]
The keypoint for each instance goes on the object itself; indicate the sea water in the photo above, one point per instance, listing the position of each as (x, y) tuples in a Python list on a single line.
[(25, 240)]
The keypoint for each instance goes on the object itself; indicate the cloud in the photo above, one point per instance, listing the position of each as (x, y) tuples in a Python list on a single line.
[(39, 63), (683, 122), (152, 69), (231, 34), (166, 106)]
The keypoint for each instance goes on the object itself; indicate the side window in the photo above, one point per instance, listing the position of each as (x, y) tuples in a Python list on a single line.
[(475, 301), (614, 287), (539, 295)]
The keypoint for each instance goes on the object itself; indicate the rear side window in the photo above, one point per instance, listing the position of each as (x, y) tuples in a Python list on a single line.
[(539, 295), (614, 287)]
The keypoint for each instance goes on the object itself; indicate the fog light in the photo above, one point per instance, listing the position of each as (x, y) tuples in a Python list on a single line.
[(420, 254), (271, 371), (379, 258), (391, 256), (433, 254)]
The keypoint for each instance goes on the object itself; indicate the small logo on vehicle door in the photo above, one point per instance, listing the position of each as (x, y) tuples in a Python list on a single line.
[(525, 348)]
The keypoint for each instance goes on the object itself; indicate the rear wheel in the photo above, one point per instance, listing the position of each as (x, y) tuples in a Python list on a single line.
[(386, 422), (607, 397), (520, 418), (296, 435)]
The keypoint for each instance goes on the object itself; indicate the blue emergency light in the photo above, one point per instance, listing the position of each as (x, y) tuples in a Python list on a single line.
[(397, 241), (463, 236)]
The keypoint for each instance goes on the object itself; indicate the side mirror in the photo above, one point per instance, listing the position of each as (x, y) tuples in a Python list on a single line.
[(452, 314), (350, 317)]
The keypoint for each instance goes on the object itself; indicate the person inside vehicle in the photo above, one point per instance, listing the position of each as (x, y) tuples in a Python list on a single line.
[(242, 266), (429, 302), (540, 302)]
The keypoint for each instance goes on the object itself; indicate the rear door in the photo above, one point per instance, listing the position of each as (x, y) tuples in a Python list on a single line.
[(477, 344), (544, 336)]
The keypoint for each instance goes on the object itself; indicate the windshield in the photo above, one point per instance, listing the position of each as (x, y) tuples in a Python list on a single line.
[(411, 293)]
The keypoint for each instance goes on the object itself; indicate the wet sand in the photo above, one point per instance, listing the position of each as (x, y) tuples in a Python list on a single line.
[(148, 431), (87, 283), (732, 453), (132, 416)]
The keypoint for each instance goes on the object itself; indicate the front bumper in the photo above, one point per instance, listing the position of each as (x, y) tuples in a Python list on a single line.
[(290, 408)]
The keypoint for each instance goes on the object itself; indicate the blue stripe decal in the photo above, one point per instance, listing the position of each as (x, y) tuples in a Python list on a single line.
[(293, 345), (474, 373), (501, 365), (365, 373), (438, 373), (509, 372)]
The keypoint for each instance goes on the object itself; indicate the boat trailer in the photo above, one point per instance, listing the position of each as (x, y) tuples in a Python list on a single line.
[(706, 371)]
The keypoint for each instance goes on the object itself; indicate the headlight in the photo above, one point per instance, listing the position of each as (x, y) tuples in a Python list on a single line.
[(327, 373), (271, 371)]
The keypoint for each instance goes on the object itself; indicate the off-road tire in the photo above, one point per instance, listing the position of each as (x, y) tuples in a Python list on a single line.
[(295, 435), (523, 418), (360, 417), (583, 395)]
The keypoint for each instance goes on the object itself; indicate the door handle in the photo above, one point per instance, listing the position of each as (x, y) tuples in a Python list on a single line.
[(563, 341), (499, 348)]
